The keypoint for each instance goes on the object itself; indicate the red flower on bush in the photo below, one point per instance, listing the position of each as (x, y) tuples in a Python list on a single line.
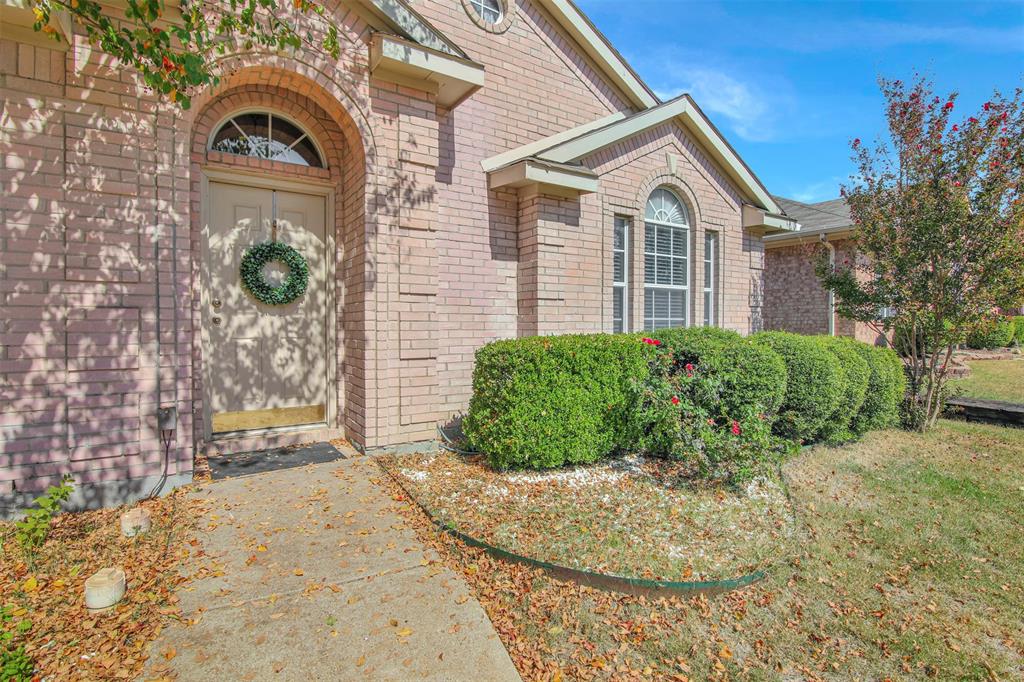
[(972, 120), (856, 142), (986, 106), (711, 422), (735, 428), (675, 400), (955, 127), (689, 367), (168, 64), (949, 105), (651, 342)]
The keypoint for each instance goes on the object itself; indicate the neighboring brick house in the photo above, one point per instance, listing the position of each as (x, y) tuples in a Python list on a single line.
[(794, 299), (468, 170)]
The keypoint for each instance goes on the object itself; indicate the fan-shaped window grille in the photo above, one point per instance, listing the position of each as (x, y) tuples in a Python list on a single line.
[(267, 136), (664, 207)]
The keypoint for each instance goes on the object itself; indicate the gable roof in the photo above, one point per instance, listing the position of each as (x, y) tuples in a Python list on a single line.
[(572, 145)]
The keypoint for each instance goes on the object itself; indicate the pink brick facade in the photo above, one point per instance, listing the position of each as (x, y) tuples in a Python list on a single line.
[(102, 215), (794, 299)]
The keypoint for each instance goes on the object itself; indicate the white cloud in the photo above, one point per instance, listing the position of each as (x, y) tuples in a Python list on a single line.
[(746, 109)]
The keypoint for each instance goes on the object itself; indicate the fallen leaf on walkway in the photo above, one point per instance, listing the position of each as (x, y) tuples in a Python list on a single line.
[(361, 660)]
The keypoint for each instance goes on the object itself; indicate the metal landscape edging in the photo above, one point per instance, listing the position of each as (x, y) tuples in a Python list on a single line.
[(602, 581)]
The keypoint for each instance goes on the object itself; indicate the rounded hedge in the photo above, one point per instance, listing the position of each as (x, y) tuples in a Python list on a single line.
[(815, 384), (998, 334), (856, 375), (887, 384), (544, 402), (753, 376)]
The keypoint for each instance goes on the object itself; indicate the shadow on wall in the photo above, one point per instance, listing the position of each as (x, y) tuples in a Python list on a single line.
[(98, 326)]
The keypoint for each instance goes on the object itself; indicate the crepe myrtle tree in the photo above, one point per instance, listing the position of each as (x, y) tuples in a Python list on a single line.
[(938, 222), (174, 46)]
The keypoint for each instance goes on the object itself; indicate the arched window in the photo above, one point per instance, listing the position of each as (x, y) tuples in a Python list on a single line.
[(264, 135), (666, 261)]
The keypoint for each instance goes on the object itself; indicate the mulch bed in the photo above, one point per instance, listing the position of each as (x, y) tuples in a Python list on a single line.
[(534, 613), (67, 642), (631, 517)]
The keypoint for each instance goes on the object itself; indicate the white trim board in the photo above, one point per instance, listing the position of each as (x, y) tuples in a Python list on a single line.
[(601, 51)]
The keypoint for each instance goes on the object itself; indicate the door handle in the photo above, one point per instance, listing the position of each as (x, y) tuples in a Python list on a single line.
[(216, 303), (216, 319)]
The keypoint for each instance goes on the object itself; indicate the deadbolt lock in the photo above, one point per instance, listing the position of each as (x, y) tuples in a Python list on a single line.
[(216, 319), (216, 303)]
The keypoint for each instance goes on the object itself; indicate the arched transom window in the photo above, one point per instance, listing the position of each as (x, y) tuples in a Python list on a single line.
[(666, 261), (264, 135)]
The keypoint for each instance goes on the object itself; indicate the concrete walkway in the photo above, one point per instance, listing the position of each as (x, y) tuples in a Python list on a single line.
[(316, 577)]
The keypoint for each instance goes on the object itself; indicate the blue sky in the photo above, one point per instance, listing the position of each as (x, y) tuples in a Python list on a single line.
[(791, 83)]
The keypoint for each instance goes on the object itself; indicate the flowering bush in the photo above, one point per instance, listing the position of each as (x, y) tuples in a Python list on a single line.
[(678, 414), (751, 378)]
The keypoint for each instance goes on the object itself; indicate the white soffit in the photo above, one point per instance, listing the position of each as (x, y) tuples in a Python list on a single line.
[(397, 60), (519, 153), (553, 178), (765, 223)]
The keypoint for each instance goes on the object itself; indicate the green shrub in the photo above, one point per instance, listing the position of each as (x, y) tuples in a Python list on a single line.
[(751, 376), (856, 375), (887, 386), (998, 334), (815, 384), (1018, 330), (547, 401), (676, 415), (33, 529)]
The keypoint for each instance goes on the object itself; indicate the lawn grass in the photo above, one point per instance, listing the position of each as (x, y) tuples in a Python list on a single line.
[(994, 380), (912, 568)]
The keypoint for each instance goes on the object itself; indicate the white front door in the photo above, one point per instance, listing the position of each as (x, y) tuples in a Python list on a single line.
[(266, 364)]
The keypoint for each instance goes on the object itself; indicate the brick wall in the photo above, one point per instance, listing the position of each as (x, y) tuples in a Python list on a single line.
[(794, 298), (101, 272)]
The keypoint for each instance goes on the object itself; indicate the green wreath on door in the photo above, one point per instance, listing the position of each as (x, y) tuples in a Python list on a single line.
[(293, 286)]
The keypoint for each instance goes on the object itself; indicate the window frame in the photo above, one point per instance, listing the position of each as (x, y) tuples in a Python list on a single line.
[(479, 6), (683, 289), (711, 277), (622, 285), (270, 113)]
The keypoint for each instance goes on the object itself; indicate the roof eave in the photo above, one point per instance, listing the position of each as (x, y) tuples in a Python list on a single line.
[(780, 240), (694, 120)]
